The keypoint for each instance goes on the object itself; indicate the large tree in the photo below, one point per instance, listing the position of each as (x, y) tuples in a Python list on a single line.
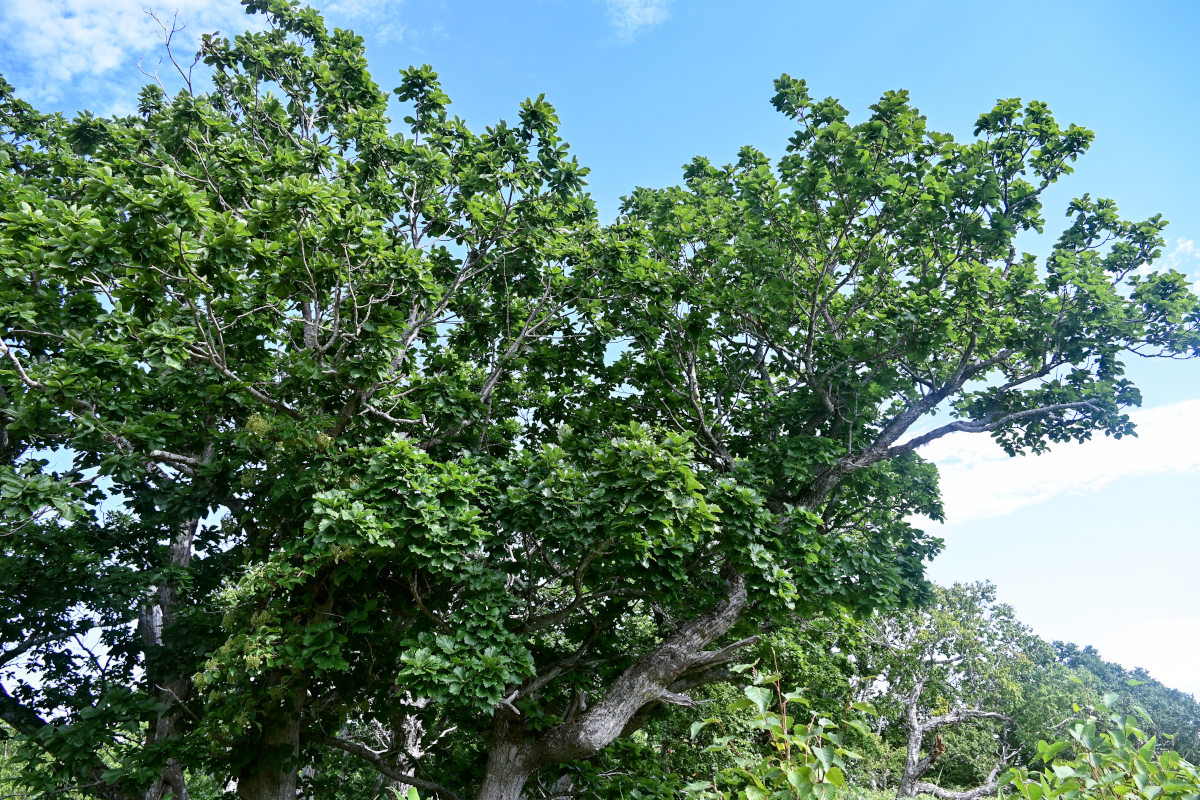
[(345, 427)]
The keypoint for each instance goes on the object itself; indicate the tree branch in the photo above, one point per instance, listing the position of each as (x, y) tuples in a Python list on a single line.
[(24, 720), (979, 426), (376, 760), (645, 682), (958, 715), (986, 790)]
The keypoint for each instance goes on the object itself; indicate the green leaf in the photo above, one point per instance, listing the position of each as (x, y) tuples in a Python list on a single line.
[(824, 791), (761, 697), (1063, 771)]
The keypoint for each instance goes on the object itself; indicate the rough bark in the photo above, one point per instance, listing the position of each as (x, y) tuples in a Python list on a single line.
[(986, 790), (273, 773), (514, 753), (512, 758)]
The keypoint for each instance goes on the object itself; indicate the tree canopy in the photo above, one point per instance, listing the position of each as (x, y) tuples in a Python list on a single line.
[(314, 422)]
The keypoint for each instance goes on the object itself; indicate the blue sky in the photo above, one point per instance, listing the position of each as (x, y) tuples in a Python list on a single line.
[(1097, 543)]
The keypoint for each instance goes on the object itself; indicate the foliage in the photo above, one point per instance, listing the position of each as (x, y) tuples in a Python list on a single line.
[(963, 652), (311, 421), (1105, 754), (960, 674), (806, 755), (1174, 715), (633, 768), (959, 649)]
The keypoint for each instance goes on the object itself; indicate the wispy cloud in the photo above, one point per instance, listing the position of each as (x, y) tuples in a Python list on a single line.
[(88, 51), (382, 15), (1182, 256), (55, 48), (980, 482), (1185, 258), (631, 17)]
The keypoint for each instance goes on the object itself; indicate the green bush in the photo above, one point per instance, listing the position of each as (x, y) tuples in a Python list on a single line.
[(806, 757), (1106, 755)]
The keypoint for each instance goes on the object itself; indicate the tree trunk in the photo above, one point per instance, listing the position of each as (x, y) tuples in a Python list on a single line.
[(154, 618), (510, 758), (273, 773), (514, 754), (915, 767)]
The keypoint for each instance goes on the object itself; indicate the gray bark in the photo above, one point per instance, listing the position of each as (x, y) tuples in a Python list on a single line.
[(512, 758), (171, 691), (986, 790), (915, 766), (515, 753)]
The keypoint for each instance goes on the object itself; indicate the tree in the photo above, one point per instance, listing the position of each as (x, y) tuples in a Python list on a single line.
[(387, 430), (963, 662)]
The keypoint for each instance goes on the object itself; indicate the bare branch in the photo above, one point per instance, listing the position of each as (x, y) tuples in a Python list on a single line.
[(958, 715), (376, 759)]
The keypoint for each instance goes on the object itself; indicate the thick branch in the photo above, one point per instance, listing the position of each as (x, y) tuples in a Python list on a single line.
[(174, 459), (646, 681), (958, 715), (986, 790), (711, 658), (24, 720), (675, 694), (965, 370), (915, 766)]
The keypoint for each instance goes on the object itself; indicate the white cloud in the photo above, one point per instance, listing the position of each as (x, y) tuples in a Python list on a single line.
[(1184, 257), (56, 46), (979, 481), (385, 27), (1171, 644), (357, 9), (631, 17), (90, 49)]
